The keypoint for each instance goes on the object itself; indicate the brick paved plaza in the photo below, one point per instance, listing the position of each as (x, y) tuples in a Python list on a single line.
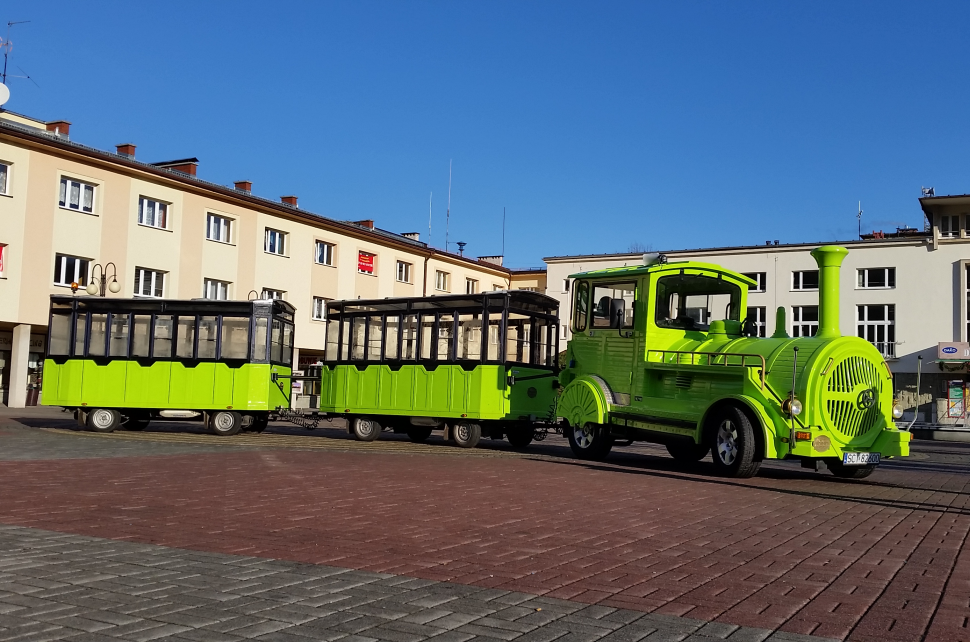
[(290, 535)]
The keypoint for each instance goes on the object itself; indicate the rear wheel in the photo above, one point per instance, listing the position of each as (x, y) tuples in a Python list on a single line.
[(733, 444), (590, 441), (466, 435), (842, 471), (520, 437), (365, 429), (419, 434), (225, 423), (688, 452), (103, 420)]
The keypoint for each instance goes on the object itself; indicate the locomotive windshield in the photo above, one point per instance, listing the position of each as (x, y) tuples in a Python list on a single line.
[(692, 301)]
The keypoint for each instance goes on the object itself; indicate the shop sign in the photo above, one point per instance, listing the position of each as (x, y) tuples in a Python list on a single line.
[(365, 262), (38, 342), (953, 350)]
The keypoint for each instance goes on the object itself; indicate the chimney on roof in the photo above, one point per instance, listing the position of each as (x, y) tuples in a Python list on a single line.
[(126, 149), (368, 223), (496, 260), (414, 236), (183, 165), (289, 200), (244, 186), (59, 127)]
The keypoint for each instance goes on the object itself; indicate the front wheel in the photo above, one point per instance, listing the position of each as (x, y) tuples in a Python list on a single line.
[(590, 441), (842, 471), (225, 423), (733, 444), (688, 452), (103, 420), (466, 435), (365, 429)]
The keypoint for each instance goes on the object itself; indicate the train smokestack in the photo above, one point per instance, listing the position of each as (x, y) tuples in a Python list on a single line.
[(829, 259)]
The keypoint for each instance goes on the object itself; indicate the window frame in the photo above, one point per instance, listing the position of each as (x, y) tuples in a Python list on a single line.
[(888, 325), (139, 279), (797, 282), (889, 275), (760, 321), (281, 238), (373, 263), (143, 202), (761, 278), (950, 233), (83, 281), (207, 282), (66, 181), (281, 293), (471, 285), (225, 222), (796, 320), (442, 281), (328, 252), (8, 178), (323, 308), (406, 269)]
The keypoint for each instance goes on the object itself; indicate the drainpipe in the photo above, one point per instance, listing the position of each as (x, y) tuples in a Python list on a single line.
[(424, 288), (829, 259)]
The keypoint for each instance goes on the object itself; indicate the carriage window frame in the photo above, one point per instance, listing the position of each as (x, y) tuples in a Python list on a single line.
[(663, 302), (580, 298)]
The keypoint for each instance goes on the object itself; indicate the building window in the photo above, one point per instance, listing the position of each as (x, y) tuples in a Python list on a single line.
[(441, 281), (877, 325), (565, 285), (365, 263), (215, 290), (275, 242), (564, 331), (756, 318), (76, 195), (876, 278), (324, 253), (950, 226), (218, 228), (804, 280), (403, 272), (471, 286), (319, 312), (761, 280), (529, 289), (269, 293), (70, 269), (3, 258), (5, 179), (149, 282), (152, 213), (804, 320), (497, 287)]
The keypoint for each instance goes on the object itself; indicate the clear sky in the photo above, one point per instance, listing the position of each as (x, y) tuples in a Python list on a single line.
[(598, 125)]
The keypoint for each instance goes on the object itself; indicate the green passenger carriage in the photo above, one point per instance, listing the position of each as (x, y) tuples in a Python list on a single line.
[(125, 362), (466, 364), (660, 353)]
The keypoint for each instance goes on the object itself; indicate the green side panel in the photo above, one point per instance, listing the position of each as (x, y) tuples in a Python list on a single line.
[(105, 385), (192, 387), (147, 386), (62, 383)]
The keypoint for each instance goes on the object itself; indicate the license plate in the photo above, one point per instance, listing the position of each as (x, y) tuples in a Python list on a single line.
[(860, 459)]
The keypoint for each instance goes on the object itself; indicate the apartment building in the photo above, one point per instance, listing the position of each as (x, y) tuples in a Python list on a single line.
[(73, 214), (905, 291)]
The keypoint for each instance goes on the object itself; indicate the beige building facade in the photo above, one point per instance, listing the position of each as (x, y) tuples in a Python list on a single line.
[(70, 213)]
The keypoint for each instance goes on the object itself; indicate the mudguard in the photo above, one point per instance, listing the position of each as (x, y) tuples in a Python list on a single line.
[(585, 400)]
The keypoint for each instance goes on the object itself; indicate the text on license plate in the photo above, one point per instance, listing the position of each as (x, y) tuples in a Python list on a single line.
[(860, 459)]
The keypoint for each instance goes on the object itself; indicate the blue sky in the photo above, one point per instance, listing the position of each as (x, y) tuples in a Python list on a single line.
[(597, 125)]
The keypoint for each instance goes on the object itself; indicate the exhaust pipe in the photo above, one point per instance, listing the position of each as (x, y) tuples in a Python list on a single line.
[(829, 259)]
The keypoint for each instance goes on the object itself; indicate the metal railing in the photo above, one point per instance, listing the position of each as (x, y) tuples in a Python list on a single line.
[(886, 348), (689, 358)]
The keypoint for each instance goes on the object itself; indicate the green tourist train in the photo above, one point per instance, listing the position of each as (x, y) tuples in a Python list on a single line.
[(662, 352), (121, 363), (469, 365)]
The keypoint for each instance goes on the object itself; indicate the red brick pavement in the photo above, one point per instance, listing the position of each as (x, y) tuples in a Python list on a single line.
[(884, 560)]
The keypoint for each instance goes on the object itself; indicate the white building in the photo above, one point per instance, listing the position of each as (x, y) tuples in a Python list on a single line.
[(905, 291)]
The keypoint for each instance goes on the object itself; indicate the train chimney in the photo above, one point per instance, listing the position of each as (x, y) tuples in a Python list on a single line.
[(829, 259)]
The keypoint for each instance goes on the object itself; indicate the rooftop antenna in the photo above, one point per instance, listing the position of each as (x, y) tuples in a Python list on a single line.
[(859, 216), (430, 210), (448, 211), (7, 46)]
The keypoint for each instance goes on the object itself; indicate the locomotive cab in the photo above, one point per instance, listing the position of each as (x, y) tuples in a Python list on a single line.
[(662, 352)]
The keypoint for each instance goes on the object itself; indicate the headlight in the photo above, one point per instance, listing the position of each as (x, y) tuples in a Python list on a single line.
[(791, 407), (897, 410)]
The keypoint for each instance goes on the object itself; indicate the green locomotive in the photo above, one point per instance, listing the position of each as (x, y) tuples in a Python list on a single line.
[(465, 364), (121, 363), (660, 353)]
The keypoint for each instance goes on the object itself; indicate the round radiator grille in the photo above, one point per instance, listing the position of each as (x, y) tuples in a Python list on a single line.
[(852, 396)]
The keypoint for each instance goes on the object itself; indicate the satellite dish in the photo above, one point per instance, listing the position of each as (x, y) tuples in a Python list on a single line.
[(4, 94)]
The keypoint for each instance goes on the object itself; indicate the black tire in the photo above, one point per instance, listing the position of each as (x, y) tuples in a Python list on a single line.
[(466, 435), (591, 441), (687, 451), (520, 437), (103, 420), (365, 429), (259, 423), (842, 471), (419, 434), (732, 443), (225, 423), (136, 423)]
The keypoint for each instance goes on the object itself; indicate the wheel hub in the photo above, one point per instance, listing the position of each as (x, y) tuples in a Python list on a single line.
[(583, 436), (224, 421), (727, 444), (461, 432)]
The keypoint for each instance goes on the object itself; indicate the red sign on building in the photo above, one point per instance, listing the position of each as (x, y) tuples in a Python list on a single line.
[(365, 262)]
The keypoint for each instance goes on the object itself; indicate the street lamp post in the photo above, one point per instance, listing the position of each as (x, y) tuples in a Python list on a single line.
[(98, 285)]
